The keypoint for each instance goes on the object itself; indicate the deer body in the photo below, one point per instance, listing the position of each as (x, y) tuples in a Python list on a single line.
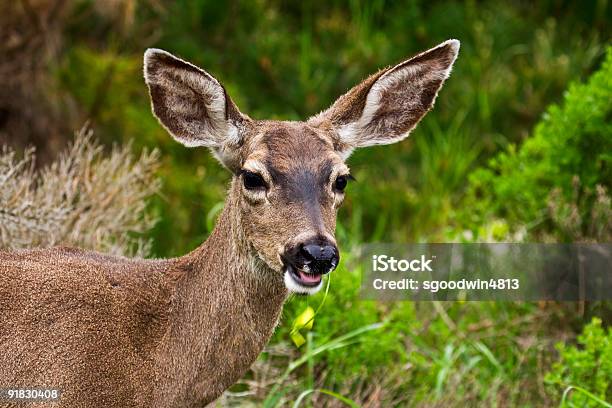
[(118, 332), (141, 333)]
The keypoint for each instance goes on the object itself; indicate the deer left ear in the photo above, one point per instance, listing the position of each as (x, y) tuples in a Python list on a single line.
[(385, 107)]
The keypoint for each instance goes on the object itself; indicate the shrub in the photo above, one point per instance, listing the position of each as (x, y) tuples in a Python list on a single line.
[(85, 198), (557, 183), (586, 366)]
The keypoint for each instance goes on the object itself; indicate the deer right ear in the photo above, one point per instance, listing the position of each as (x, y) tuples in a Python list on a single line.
[(193, 106)]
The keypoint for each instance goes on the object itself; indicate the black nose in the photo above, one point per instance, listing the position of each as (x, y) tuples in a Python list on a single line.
[(318, 257)]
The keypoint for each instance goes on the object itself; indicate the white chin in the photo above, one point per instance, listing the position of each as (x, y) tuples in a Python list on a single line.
[(294, 286)]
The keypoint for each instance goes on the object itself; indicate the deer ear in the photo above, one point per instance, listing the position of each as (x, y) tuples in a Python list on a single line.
[(193, 106), (385, 107)]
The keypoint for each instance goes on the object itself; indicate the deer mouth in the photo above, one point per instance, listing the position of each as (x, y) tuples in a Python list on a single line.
[(299, 281), (303, 277)]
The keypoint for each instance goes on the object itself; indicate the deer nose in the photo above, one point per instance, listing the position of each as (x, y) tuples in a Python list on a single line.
[(319, 258)]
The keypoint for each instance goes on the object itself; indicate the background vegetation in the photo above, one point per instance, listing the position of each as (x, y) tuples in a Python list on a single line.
[(517, 148)]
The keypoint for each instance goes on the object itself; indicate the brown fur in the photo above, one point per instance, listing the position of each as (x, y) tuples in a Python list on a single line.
[(118, 332)]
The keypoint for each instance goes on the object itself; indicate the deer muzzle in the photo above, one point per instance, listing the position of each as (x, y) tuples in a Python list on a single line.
[(306, 263)]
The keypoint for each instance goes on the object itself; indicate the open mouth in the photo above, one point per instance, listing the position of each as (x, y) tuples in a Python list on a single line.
[(304, 278)]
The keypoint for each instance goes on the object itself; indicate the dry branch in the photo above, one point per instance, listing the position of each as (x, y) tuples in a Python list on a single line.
[(85, 198)]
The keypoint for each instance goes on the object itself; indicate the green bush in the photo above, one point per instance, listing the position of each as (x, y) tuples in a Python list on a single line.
[(557, 182), (586, 366)]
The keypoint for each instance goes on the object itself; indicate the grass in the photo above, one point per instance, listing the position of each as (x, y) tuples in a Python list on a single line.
[(424, 354)]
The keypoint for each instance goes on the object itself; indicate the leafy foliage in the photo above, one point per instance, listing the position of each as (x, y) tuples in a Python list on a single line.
[(558, 181), (587, 365)]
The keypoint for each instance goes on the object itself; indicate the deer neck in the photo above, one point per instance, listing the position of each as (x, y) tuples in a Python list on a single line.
[(225, 308), (227, 268)]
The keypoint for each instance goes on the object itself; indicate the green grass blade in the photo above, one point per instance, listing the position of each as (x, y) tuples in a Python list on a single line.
[(339, 397), (566, 393)]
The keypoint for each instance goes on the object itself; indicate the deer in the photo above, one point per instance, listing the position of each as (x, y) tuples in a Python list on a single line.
[(109, 331)]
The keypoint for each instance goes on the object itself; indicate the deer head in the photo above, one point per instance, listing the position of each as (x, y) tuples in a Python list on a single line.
[(289, 178)]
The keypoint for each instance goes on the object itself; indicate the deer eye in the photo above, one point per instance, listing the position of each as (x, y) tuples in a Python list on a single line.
[(252, 181), (341, 182)]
